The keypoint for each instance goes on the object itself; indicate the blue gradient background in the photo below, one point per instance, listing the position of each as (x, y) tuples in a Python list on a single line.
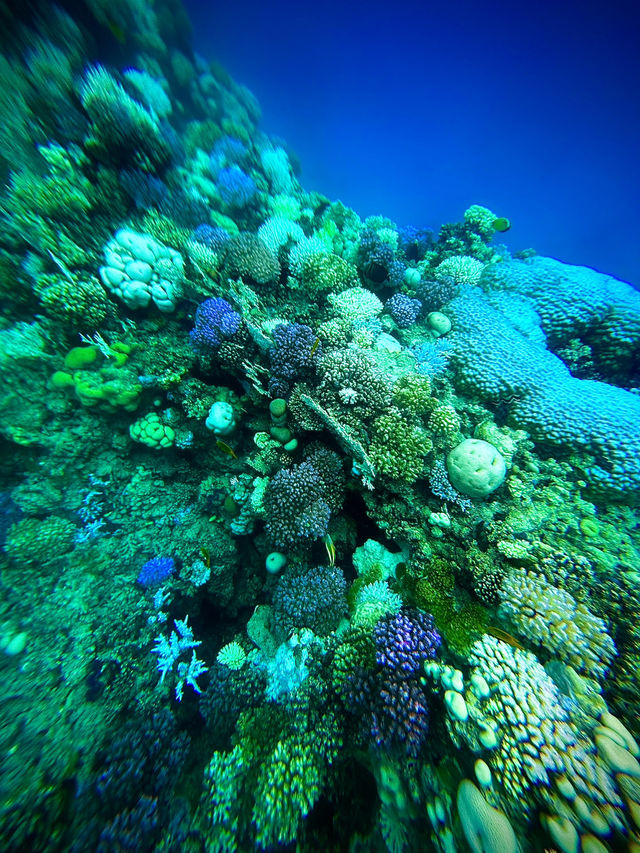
[(417, 110)]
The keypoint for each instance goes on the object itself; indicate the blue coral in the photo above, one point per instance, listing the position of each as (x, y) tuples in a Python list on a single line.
[(375, 258), (212, 236), (236, 188), (310, 598), (132, 829), (296, 509), (186, 208), (414, 243), (144, 189), (156, 571), (500, 363), (292, 356), (433, 358), (216, 321), (434, 295), (397, 269), (403, 309), (145, 757), (227, 151), (441, 487)]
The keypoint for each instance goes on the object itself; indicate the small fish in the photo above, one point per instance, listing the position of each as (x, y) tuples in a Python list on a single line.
[(499, 634), (224, 447), (314, 347), (501, 224), (206, 556), (331, 548)]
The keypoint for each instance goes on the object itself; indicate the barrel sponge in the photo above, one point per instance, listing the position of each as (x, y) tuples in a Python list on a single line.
[(486, 829)]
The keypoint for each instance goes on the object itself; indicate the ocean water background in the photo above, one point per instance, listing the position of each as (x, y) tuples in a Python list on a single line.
[(418, 109)]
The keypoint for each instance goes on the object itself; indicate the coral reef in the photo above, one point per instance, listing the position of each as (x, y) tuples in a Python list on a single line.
[(316, 531)]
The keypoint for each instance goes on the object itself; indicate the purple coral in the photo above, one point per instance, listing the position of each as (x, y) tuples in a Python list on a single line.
[(216, 321), (212, 236), (395, 704), (292, 356), (403, 309), (400, 718), (405, 640)]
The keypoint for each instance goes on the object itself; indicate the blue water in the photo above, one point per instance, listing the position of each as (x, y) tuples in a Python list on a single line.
[(417, 110)]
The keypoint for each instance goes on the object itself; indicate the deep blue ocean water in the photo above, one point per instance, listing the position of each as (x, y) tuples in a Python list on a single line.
[(419, 109)]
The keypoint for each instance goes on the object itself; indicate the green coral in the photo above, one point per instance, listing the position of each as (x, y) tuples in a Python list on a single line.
[(412, 394), (35, 542), (480, 220), (289, 784), (372, 602), (462, 629), (223, 781), (325, 273), (108, 388), (63, 192), (122, 130), (79, 305), (444, 420), (357, 650), (152, 431), (49, 209), (398, 448)]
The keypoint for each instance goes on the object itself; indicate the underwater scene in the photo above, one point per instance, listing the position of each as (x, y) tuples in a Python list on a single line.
[(319, 532)]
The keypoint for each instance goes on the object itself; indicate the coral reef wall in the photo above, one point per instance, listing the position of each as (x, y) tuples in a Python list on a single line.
[(317, 533)]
